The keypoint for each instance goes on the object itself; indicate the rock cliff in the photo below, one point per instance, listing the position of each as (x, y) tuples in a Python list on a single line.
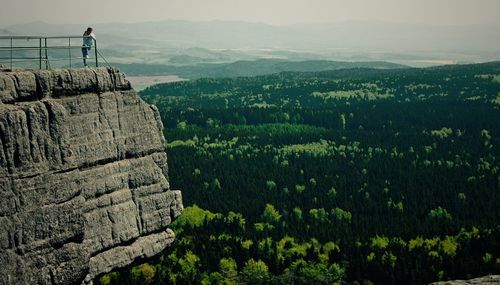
[(83, 176), (486, 280)]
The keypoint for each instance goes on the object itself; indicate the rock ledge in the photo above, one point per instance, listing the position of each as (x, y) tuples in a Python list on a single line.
[(486, 280), (83, 176)]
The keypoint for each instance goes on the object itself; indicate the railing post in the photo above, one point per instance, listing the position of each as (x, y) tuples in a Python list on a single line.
[(96, 58), (46, 55), (40, 53), (11, 55), (69, 51)]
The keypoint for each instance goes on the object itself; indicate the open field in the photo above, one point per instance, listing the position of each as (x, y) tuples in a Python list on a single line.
[(142, 82)]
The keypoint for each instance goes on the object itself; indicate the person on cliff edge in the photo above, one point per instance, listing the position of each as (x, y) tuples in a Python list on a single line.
[(88, 42)]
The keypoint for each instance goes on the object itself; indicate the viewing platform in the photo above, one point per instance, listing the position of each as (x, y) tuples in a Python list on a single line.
[(36, 52)]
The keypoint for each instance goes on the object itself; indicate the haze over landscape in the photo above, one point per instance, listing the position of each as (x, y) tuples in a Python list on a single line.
[(280, 12), (417, 33)]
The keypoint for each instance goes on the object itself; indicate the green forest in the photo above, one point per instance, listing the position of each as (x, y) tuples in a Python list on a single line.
[(244, 67), (351, 176)]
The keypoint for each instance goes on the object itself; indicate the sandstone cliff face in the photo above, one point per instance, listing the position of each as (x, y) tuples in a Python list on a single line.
[(83, 176), (486, 280)]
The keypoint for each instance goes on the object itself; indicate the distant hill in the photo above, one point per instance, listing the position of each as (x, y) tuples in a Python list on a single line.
[(373, 35), (248, 68), (178, 42)]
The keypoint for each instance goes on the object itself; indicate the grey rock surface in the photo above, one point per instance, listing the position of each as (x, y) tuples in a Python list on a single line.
[(83, 176), (486, 280)]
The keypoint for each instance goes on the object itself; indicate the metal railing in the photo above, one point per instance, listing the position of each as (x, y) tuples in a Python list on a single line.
[(43, 52)]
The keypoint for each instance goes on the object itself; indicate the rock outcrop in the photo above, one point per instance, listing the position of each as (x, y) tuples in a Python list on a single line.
[(83, 176), (486, 280)]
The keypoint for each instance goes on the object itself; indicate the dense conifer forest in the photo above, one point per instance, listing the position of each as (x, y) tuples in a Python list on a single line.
[(360, 176)]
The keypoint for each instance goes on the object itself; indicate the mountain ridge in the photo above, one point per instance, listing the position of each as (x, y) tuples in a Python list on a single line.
[(355, 39), (248, 68)]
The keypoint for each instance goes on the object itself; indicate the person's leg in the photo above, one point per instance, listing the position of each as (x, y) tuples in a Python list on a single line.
[(85, 53)]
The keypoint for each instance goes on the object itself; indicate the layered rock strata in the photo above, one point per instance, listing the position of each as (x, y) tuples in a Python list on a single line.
[(83, 176), (485, 280)]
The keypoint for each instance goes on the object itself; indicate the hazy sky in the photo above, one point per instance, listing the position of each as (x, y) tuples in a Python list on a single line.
[(281, 12)]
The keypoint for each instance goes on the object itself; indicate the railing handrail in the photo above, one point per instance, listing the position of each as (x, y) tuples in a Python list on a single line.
[(40, 37), (43, 47)]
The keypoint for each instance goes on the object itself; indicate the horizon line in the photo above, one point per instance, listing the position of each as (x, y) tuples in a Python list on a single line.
[(319, 23)]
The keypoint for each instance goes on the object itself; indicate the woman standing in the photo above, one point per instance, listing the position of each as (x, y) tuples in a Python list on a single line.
[(88, 42)]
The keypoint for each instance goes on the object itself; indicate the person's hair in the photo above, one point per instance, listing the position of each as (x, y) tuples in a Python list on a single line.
[(89, 29)]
